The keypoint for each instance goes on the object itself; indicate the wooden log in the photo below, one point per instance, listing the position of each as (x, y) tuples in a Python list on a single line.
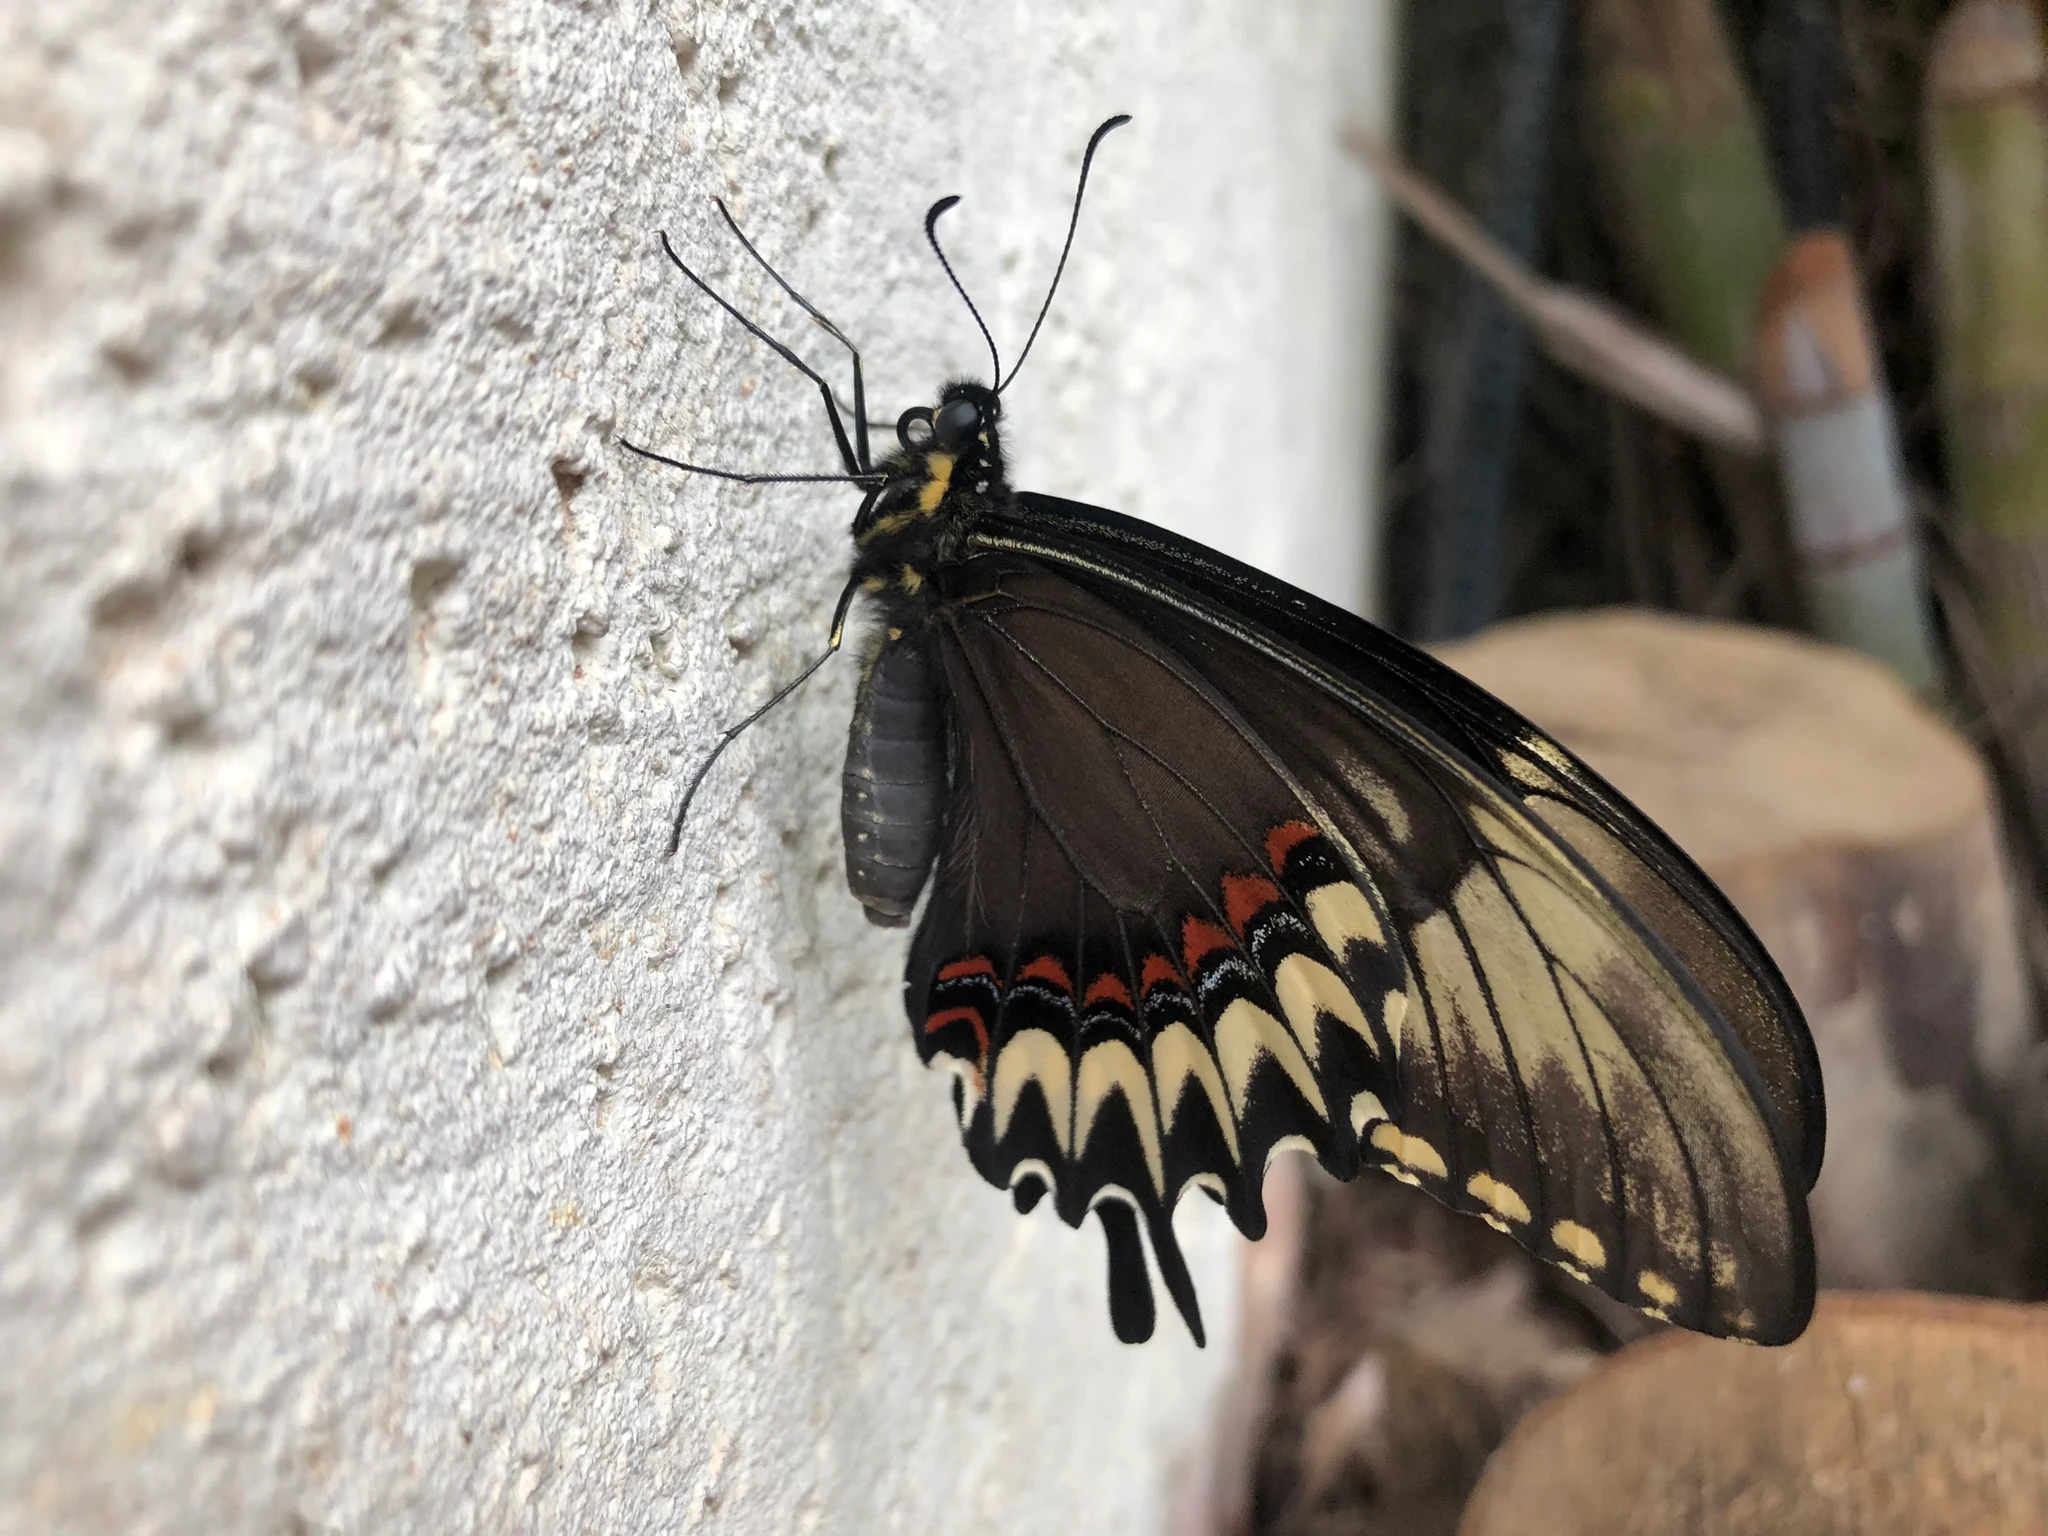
[(1892, 1416), (1855, 831)]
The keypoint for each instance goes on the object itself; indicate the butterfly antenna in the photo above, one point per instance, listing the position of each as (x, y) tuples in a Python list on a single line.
[(675, 836), (1073, 223), (931, 233)]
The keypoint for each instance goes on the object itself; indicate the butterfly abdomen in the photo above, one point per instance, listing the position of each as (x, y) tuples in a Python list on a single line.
[(894, 790)]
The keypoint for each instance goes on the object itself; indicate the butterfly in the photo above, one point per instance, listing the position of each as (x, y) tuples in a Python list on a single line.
[(1203, 868)]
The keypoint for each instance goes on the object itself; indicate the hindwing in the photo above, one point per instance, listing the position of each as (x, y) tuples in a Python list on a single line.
[(1205, 894)]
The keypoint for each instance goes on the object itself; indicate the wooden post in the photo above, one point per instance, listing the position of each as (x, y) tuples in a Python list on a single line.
[(1838, 456)]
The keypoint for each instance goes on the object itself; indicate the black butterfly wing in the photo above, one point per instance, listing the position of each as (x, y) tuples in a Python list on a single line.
[(1675, 897), (1131, 948), (1202, 898)]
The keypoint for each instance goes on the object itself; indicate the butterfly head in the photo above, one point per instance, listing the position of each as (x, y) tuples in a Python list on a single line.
[(949, 460)]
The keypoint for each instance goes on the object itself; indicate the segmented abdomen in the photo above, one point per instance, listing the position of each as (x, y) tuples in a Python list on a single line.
[(893, 793)]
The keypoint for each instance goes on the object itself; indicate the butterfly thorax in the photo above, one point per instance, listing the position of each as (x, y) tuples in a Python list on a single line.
[(947, 472)]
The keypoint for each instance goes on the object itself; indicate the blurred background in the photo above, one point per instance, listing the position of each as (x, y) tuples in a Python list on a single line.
[(390, 1138), (1715, 334)]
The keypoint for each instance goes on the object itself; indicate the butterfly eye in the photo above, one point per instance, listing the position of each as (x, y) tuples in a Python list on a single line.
[(957, 421), (914, 427)]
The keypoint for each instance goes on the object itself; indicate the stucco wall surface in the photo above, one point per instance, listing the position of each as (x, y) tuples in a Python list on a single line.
[(390, 1137)]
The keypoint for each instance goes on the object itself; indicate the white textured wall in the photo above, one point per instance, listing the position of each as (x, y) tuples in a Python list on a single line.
[(389, 1137)]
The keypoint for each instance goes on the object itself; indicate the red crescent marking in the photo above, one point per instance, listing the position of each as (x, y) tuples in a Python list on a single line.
[(1046, 968), (1284, 839), (1199, 938), (1158, 972), (1245, 897), (1107, 986), (979, 965), (947, 1016)]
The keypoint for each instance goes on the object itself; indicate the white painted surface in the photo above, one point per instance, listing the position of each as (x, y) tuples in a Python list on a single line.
[(389, 1137)]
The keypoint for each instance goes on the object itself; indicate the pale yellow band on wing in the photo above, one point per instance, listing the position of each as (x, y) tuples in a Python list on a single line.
[(1113, 1067), (1244, 1033), (1342, 916), (1306, 987), (1033, 1056), (1177, 1055)]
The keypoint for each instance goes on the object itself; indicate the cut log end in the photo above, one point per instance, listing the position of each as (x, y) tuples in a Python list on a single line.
[(1894, 1414)]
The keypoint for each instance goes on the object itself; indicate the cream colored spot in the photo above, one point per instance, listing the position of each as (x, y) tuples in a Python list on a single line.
[(1484, 1187), (1657, 1288), (1525, 772), (1344, 917), (1244, 1034), (1307, 987), (1724, 1266), (1402, 1174), (1113, 1067), (1545, 750), (1379, 794), (1365, 1109), (1394, 1012), (1028, 1167), (1581, 1243), (969, 1077), (1177, 1055), (1496, 1223), (1411, 1150), (1574, 1271), (1033, 1056)]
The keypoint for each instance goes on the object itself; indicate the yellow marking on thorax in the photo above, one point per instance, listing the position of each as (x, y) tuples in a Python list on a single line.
[(912, 578), (941, 467)]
